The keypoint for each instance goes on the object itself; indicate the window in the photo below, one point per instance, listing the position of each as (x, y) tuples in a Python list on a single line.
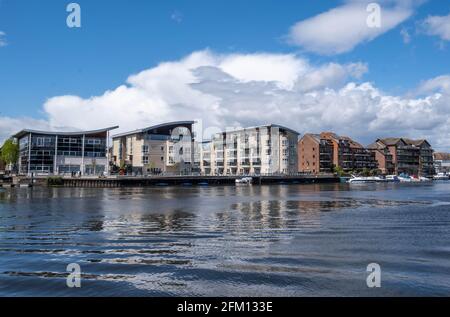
[(162, 158), (145, 160), (93, 141), (40, 142), (144, 149)]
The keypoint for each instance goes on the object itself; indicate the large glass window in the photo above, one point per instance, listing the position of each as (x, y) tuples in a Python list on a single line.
[(70, 146)]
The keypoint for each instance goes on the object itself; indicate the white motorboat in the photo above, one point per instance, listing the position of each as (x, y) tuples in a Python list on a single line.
[(441, 177), (360, 180), (424, 179), (405, 178), (392, 178), (244, 181)]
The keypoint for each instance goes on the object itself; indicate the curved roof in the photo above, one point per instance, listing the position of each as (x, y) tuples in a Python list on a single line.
[(162, 125), (28, 131)]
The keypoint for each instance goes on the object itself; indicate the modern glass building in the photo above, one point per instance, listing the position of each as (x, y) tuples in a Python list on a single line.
[(59, 153)]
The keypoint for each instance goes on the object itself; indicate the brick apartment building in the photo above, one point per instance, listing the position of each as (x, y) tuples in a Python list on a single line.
[(442, 162), (401, 155), (319, 153), (315, 154)]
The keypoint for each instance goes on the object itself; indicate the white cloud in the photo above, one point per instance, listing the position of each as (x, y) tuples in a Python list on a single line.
[(251, 89), (437, 26), (341, 29), (9, 126), (439, 84), (2, 39)]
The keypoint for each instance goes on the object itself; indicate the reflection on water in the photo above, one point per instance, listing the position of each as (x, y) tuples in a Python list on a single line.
[(291, 240)]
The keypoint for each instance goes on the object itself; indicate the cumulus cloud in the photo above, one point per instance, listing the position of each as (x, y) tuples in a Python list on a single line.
[(437, 26), (341, 29), (9, 126), (230, 90), (2, 39), (439, 84)]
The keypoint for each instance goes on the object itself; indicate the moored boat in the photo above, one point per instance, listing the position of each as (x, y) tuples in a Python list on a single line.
[(244, 181), (392, 179), (440, 177), (405, 178), (360, 180)]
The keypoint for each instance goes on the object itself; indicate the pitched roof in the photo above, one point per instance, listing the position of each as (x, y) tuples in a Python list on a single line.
[(442, 156), (390, 141), (376, 146), (416, 142), (315, 137)]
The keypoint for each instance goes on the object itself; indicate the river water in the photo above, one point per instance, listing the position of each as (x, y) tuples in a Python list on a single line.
[(280, 240)]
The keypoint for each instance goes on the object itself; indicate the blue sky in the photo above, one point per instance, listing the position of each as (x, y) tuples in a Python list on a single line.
[(43, 58)]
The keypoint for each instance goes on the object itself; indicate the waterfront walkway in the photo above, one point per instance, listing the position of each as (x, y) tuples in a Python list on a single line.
[(179, 180)]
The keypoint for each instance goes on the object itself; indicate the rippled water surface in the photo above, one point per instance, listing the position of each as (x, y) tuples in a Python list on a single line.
[(286, 240)]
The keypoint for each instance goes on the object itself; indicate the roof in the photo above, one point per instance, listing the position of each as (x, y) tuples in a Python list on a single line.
[(395, 141), (20, 134), (333, 136), (442, 156), (376, 146), (330, 135), (352, 143), (262, 126), (315, 137), (416, 142), (390, 141), (163, 125)]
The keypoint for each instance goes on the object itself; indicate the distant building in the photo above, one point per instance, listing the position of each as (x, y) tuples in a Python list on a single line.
[(442, 162), (401, 155), (315, 154), (47, 153), (266, 149), (163, 148), (345, 153)]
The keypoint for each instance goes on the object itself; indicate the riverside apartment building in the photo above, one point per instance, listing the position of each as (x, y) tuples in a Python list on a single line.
[(402, 155), (320, 153), (163, 148), (265, 149)]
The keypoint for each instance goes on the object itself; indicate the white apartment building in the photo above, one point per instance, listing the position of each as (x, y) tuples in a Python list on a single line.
[(164, 148), (267, 149)]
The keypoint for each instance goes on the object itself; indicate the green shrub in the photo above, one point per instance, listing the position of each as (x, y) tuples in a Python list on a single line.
[(55, 181)]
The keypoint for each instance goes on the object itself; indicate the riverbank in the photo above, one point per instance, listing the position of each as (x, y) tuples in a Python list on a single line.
[(135, 181)]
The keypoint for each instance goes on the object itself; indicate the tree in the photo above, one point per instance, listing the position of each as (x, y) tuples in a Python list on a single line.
[(94, 166), (339, 171), (10, 152)]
